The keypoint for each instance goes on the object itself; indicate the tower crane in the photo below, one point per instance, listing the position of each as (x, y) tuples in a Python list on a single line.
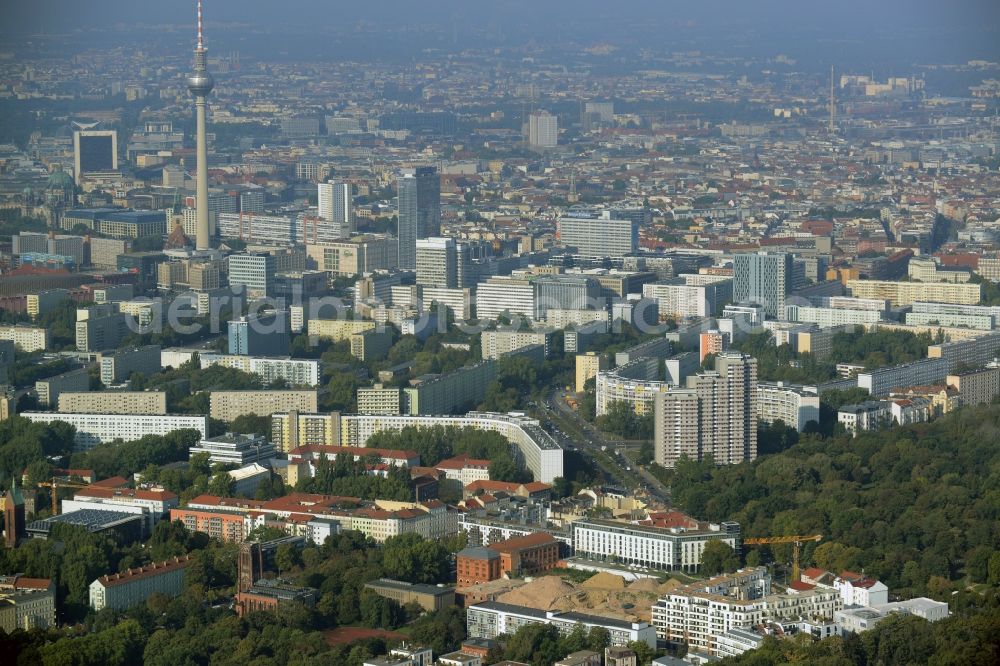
[(54, 487), (795, 540)]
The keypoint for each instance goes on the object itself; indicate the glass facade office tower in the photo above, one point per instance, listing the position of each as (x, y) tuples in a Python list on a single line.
[(419, 211), (763, 278)]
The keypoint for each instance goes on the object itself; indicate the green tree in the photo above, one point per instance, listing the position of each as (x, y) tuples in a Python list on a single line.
[(718, 557)]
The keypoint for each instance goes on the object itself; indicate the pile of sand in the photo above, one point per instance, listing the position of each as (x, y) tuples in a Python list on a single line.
[(669, 586), (541, 593), (601, 594), (604, 581), (649, 585)]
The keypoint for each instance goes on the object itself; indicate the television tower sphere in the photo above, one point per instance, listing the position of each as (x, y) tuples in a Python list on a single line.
[(200, 83)]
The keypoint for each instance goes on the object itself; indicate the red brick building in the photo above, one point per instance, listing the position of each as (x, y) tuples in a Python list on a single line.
[(476, 565), (520, 556), (527, 555)]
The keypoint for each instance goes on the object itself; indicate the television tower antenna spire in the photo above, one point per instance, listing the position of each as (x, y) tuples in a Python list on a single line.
[(201, 41), (200, 83)]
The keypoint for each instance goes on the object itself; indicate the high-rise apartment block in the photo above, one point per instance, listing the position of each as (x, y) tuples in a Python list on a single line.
[(714, 416), (543, 130)]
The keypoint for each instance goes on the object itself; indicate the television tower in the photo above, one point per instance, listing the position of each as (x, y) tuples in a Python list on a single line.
[(200, 83)]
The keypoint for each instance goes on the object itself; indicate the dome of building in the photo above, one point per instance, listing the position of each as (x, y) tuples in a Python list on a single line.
[(59, 180)]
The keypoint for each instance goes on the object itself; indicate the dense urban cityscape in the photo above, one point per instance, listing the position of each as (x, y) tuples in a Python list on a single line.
[(514, 335)]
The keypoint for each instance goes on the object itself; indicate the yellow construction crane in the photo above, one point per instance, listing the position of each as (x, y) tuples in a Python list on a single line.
[(54, 487), (795, 540)]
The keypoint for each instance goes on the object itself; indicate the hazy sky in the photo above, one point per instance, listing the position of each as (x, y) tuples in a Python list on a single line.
[(963, 28)]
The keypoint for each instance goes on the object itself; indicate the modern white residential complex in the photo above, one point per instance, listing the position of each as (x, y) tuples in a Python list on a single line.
[(661, 548), (701, 612)]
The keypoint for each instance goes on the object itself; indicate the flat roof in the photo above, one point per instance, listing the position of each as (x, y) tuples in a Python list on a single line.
[(420, 588)]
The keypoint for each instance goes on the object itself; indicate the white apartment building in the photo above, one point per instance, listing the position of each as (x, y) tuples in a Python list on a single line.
[(870, 415), (458, 300), (678, 300), (597, 238), (335, 204), (505, 294), (499, 343), (491, 619), (256, 228), (543, 130), (860, 590), (975, 352), (881, 382), (120, 402), (295, 371), (627, 384), (133, 587), (558, 318), (828, 317), (532, 446), (379, 399), (464, 469), (794, 405), (701, 612), (663, 549), (94, 429), (29, 339), (976, 387)]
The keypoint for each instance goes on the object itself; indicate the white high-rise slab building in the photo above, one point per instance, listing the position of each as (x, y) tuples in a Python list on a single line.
[(335, 205), (543, 130)]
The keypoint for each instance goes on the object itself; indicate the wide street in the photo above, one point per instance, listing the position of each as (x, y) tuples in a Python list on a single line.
[(571, 430)]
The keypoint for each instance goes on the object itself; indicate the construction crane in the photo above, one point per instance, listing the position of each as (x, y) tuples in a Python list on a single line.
[(54, 487), (795, 540)]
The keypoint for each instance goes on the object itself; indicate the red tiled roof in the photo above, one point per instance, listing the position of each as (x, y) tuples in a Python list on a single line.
[(668, 519), (113, 482), (154, 569), (461, 462), (521, 542), (814, 572)]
